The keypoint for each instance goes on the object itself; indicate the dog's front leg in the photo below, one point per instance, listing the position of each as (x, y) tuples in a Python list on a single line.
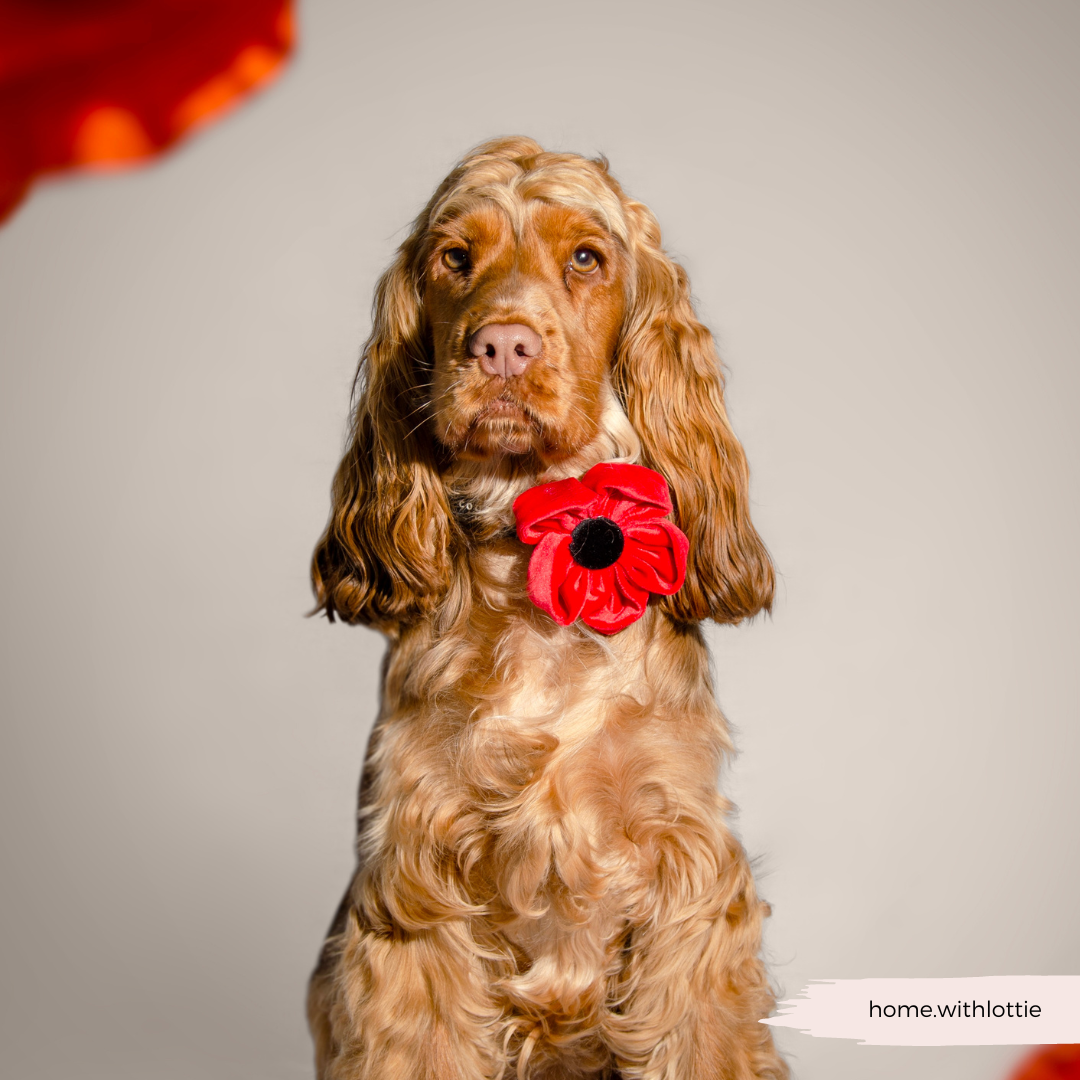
[(694, 988), (387, 1004)]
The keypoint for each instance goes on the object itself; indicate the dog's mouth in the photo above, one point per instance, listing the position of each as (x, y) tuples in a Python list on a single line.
[(504, 408), (502, 426)]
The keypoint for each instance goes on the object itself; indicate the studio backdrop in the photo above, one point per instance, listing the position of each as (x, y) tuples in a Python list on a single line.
[(876, 205)]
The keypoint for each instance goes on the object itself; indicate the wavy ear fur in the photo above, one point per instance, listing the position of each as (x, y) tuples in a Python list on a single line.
[(387, 553), (668, 375)]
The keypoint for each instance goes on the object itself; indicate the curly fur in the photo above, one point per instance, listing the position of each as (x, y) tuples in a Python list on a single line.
[(546, 886)]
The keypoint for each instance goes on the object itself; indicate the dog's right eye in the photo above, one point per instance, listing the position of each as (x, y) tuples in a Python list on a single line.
[(456, 259)]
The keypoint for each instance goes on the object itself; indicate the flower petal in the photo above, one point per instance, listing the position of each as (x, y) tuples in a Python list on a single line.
[(555, 507), (557, 584), (614, 601), (637, 493), (109, 84), (654, 556)]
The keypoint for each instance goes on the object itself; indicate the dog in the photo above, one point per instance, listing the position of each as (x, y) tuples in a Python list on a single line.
[(546, 887)]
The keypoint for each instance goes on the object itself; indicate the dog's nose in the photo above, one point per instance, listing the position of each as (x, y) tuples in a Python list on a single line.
[(505, 349)]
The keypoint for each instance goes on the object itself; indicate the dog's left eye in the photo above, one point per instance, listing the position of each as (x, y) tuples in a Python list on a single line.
[(584, 259), (456, 259)]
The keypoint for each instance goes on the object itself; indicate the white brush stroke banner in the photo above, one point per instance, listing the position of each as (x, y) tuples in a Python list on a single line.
[(1012, 1010)]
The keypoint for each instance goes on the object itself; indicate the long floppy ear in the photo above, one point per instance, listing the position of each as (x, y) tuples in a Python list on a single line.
[(388, 550), (668, 375)]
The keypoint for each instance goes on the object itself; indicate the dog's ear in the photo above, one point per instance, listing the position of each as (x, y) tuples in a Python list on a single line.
[(388, 551), (668, 375)]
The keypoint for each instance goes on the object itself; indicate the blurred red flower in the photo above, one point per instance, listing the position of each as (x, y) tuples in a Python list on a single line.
[(1051, 1063), (602, 545), (106, 83)]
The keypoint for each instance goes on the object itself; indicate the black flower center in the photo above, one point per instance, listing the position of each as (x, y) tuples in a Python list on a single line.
[(596, 542)]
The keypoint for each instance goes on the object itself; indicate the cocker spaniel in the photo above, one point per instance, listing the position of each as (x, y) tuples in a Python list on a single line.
[(546, 887)]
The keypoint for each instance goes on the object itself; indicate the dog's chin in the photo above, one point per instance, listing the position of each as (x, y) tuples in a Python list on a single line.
[(505, 429), (498, 438)]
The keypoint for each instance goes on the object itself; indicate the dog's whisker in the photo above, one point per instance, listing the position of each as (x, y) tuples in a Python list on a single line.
[(412, 431), (413, 412)]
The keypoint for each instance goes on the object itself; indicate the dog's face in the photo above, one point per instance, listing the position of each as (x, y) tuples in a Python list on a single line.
[(524, 306)]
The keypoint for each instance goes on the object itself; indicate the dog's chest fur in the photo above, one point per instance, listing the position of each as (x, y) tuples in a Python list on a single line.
[(560, 863), (545, 772)]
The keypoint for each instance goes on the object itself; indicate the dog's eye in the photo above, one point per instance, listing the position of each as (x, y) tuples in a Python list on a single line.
[(584, 259), (456, 259)]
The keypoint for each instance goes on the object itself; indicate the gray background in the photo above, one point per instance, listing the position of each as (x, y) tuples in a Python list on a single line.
[(877, 207)]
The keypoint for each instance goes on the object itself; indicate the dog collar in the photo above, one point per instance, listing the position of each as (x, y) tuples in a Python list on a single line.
[(602, 545)]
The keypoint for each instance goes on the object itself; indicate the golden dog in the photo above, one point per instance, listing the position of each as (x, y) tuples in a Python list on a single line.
[(546, 885)]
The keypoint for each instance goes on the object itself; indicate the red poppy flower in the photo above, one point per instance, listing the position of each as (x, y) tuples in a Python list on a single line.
[(602, 545)]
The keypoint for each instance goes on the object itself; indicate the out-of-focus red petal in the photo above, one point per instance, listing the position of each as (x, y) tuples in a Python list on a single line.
[(614, 601), (557, 584), (1061, 1062), (107, 84), (555, 507), (654, 556)]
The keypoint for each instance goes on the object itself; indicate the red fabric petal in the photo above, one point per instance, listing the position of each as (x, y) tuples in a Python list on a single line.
[(654, 556), (614, 601), (555, 507), (631, 492), (557, 584), (111, 83)]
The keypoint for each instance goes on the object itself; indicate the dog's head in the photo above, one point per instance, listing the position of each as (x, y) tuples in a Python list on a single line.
[(530, 326)]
